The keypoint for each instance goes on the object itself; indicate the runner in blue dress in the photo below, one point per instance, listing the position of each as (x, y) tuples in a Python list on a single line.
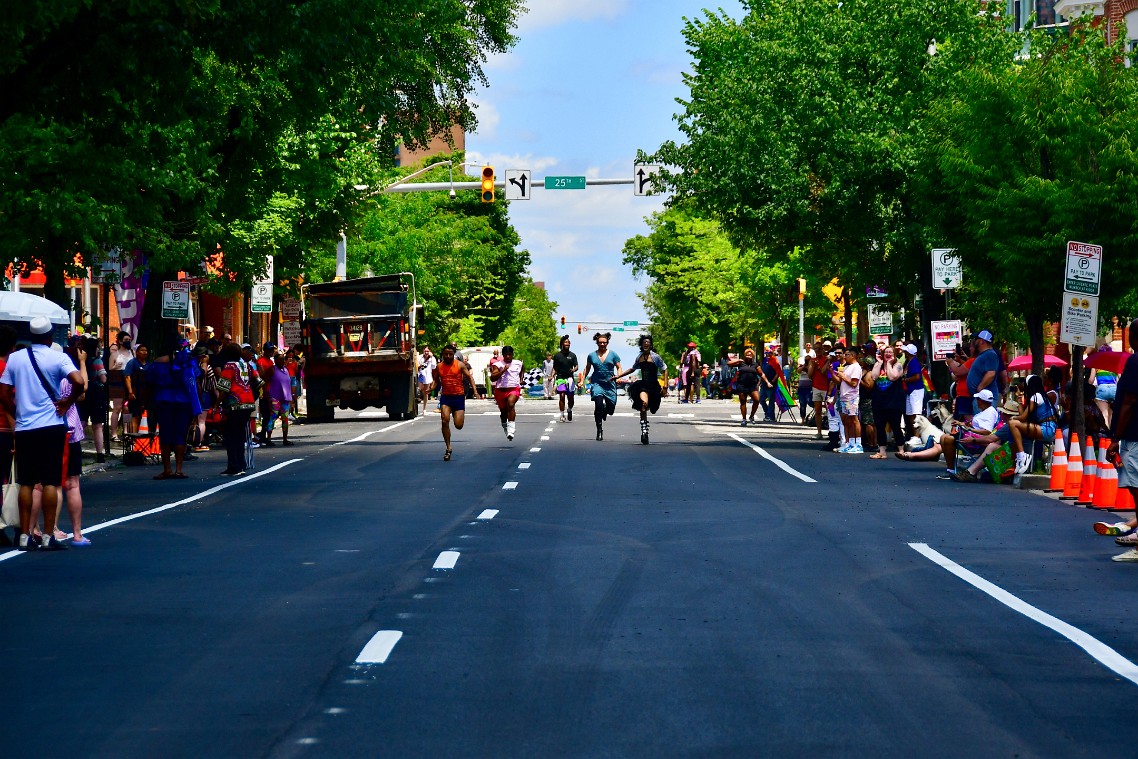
[(602, 366)]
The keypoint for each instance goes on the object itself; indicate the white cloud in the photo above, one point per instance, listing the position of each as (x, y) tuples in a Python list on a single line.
[(502, 161), (488, 120), (545, 13)]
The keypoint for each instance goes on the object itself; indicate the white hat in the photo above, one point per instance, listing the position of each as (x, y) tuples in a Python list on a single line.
[(985, 395), (911, 349), (40, 325)]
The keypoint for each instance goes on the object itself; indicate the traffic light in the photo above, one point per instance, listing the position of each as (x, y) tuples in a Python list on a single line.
[(578, 329), (562, 322), (487, 184)]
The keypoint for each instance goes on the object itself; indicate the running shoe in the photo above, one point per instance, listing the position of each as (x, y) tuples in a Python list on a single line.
[(569, 413), (844, 449), (562, 417), (743, 423), (856, 449), (1113, 528), (1131, 555)]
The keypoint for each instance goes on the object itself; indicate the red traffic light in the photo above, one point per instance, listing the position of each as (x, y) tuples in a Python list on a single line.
[(578, 329), (562, 321)]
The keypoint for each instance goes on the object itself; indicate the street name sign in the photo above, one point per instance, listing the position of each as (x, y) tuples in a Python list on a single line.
[(519, 184), (1084, 269), (175, 300), (564, 183), (1078, 324), (642, 176), (946, 269), (631, 323), (261, 298)]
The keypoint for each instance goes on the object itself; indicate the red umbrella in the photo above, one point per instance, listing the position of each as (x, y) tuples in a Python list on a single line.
[(1107, 361), (1023, 363)]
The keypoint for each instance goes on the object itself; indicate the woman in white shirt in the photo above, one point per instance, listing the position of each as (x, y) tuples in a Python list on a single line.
[(506, 376)]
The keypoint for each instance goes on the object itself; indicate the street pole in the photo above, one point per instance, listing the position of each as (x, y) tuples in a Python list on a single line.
[(341, 258), (801, 317)]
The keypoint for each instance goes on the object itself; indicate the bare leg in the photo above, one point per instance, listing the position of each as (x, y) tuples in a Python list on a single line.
[(446, 425), (979, 462), (1015, 426), (179, 457), (819, 416), (75, 507), (50, 506)]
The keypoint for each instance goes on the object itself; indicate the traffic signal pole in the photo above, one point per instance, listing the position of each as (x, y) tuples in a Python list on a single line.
[(447, 186)]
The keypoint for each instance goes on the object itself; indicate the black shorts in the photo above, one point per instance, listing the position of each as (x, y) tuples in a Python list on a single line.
[(93, 408), (74, 459), (454, 402), (39, 455), (6, 446)]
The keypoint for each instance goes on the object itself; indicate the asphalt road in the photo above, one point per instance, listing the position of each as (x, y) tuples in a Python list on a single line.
[(693, 597)]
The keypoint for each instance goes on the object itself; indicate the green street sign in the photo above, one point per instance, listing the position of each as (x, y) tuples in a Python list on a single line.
[(632, 324), (564, 183), (618, 329)]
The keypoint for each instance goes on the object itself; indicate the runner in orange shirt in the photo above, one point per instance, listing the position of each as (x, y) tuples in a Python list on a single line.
[(448, 375)]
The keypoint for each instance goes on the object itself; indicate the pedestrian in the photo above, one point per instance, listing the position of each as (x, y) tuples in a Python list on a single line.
[(74, 469), (279, 390), (768, 384), (234, 385), (805, 383), (28, 392), (1124, 430), (118, 356), (726, 374), (265, 364), (565, 370), (887, 400), (1037, 420), (294, 363), (849, 377), (959, 364), (547, 376), (506, 377), (747, 378), (1106, 387), (207, 396), (7, 421), (692, 381), (819, 368), (914, 388), (450, 376), (137, 390), (176, 404), (427, 363), (985, 370), (601, 368), (93, 405), (867, 357), (645, 393)]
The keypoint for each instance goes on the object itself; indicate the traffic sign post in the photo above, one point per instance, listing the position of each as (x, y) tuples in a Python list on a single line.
[(261, 299), (643, 177), (1078, 324), (565, 183), (175, 300), (880, 320), (1084, 269), (946, 269), (519, 184)]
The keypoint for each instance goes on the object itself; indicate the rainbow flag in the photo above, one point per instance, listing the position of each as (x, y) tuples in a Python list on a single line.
[(927, 380)]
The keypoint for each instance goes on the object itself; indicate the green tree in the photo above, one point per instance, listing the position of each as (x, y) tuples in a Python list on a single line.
[(1029, 153), (184, 127)]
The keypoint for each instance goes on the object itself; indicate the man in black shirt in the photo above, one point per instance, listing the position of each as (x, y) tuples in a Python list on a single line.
[(564, 372)]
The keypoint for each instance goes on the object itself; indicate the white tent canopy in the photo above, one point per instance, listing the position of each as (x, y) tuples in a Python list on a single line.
[(23, 307)]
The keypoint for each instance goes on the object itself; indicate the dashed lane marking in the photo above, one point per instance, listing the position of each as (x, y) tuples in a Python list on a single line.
[(488, 514), (379, 647), (1102, 653), (523, 465), (776, 461), (535, 450), (446, 560), (510, 486)]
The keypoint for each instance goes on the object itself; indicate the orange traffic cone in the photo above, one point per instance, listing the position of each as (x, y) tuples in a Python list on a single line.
[(1124, 501), (143, 425), (1074, 471), (1106, 489), (1058, 465), (1090, 474)]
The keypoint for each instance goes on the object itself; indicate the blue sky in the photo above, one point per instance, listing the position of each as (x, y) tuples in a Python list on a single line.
[(589, 82)]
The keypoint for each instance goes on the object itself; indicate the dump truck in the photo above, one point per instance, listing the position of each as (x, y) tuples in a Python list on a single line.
[(360, 337)]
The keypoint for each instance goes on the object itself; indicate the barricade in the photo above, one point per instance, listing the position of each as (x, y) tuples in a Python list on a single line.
[(1106, 489), (1074, 471), (1058, 465), (1090, 474)]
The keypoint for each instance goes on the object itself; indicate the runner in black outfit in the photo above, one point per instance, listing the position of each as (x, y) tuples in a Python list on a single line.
[(646, 392), (564, 383), (747, 383)]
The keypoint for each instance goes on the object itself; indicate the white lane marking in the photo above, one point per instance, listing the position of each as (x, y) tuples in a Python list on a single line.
[(510, 486), (446, 560), (1098, 650), (371, 414), (366, 435), (488, 514), (379, 647), (777, 462), (168, 506), (549, 429), (535, 450), (680, 416), (545, 437), (523, 465)]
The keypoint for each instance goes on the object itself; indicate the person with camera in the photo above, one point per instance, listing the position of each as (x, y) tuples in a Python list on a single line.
[(959, 364), (234, 385)]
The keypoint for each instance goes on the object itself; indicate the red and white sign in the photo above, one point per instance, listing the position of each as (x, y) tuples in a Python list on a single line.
[(1084, 268)]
